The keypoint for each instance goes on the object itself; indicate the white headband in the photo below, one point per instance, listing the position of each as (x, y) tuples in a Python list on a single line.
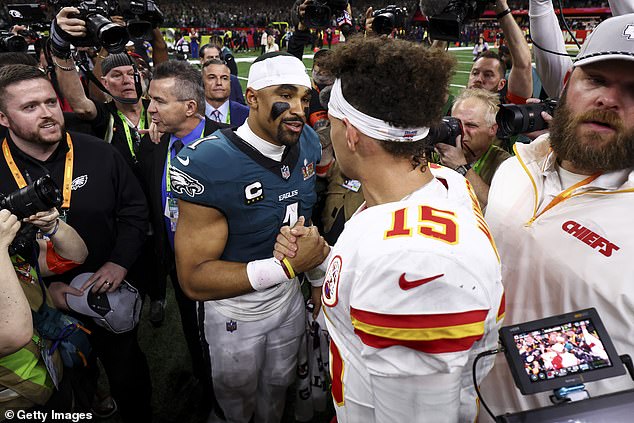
[(375, 128), (278, 70)]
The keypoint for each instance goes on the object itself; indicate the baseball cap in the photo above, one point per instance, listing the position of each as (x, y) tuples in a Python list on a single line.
[(611, 39), (117, 311), (113, 61), (277, 68)]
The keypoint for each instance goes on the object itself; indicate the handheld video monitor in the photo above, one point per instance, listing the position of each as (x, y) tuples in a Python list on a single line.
[(560, 351)]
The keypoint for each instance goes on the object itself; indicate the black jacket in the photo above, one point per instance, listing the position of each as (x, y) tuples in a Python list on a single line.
[(107, 207), (152, 163)]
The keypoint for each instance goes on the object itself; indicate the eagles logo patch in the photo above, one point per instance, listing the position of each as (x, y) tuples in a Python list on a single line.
[(182, 183), (79, 182), (330, 290)]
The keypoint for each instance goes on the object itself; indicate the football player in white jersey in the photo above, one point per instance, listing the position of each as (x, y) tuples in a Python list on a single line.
[(413, 288)]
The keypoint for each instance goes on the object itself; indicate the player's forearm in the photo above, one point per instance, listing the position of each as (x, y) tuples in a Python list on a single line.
[(72, 89), (521, 77), (16, 324), (68, 244), (159, 48), (545, 32), (213, 279)]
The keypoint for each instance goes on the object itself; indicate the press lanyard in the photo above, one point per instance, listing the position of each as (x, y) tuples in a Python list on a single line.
[(566, 194), (169, 164), (68, 170), (228, 119), (126, 128), (482, 160)]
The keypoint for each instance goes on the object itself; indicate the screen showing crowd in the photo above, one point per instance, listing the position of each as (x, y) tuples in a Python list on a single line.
[(561, 350)]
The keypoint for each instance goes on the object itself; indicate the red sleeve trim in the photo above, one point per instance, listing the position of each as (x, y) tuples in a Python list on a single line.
[(56, 263), (515, 99), (418, 321)]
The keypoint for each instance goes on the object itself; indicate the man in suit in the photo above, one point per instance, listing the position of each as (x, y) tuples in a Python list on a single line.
[(177, 109), (211, 51), (219, 107)]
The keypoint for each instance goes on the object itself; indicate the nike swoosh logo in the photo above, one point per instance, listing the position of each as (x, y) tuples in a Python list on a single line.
[(184, 161), (405, 284)]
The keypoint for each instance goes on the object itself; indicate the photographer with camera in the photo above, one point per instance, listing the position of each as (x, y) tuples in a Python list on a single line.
[(102, 200), (488, 70), (22, 294), (477, 156), (120, 122), (560, 209)]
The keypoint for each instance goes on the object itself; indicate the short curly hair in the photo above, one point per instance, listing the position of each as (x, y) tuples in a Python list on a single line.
[(400, 82)]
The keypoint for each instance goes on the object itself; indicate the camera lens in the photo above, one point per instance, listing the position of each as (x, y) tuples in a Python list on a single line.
[(111, 36), (41, 195), (515, 119), (383, 23)]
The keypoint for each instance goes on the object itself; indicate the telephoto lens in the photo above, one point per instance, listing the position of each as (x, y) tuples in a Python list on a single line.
[(41, 195)]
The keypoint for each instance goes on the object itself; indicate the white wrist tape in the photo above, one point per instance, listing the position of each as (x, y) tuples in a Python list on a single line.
[(265, 273)]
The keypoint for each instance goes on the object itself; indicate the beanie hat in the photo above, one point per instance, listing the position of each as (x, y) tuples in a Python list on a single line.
[(113, 61)]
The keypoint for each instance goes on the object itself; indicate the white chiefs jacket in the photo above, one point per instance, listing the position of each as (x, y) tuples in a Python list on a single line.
[(412, 293), (561, 256)]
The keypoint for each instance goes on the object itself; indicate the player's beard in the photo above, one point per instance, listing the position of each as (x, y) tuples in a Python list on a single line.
[(588, 150), (285, 136)]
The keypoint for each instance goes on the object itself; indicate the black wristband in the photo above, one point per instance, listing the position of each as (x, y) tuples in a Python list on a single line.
[(60, 47), (503, 13)]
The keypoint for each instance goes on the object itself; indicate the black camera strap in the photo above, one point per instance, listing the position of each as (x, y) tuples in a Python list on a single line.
[(82, 63)]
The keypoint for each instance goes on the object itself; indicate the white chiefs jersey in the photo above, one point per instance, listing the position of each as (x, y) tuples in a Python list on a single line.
[(412, 293), (559, 256)]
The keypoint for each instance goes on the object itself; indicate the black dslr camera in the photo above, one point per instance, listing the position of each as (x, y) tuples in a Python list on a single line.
[(41, 195), (101, 31), (447, 132), (319, 12), (514, 119), (10, 42), (388, 18), (142, 16), (447, 24)]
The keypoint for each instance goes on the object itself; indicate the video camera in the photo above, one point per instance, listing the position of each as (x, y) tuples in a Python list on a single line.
[(447, 17), (447, 132), (101, 31), (388, 18), (41, 195), (514, 119), (142, 16), (318, 14)]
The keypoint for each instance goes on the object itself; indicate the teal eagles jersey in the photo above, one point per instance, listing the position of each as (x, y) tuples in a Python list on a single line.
[(256, 194)]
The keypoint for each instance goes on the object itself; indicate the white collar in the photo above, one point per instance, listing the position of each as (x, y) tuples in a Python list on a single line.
[(270, 150), (223, 109)]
